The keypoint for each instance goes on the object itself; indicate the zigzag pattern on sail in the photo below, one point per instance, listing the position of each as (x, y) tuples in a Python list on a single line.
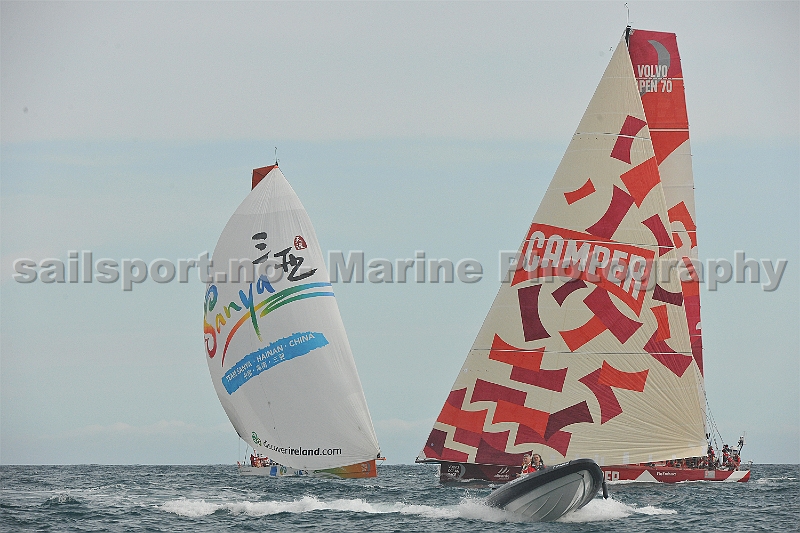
[(587, 351)]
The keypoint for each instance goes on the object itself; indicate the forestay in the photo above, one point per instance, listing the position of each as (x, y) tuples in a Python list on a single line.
[(275, 343)]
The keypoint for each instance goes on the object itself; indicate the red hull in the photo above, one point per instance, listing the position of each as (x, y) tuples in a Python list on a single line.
[(665, 474)]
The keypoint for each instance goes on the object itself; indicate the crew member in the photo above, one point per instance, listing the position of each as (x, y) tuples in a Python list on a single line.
[(527, 467)]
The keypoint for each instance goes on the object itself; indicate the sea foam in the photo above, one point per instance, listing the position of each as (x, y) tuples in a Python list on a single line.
[(467, 508), (610, 509)]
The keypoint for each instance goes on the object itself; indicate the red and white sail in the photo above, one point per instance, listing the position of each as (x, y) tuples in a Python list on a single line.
[(586, 351), (659, 77)]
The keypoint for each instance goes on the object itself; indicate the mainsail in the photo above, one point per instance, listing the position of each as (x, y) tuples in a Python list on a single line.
[(659, 77), (275, 343), (587, 350)]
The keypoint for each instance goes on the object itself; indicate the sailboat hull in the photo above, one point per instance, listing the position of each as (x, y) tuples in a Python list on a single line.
[(358, 470), (449, 472), (551, 493), (665, 474)]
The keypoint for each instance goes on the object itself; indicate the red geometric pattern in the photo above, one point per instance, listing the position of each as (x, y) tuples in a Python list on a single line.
[(561, 293), (585, 190), (622, 147), (612, 377), (663, 295), (526, 368), (485, 391), (641, 179), (622, 327), (609, 405), (545, 379), (656, 226), (435, 448), (529, 312), (665, 142), (677, 363), (467, 437), (600, 382), (680, 213), (509, 412), (568, 416), (575, 338), (559, 441), (505, 353), (691, 301), (620, 204), (456, 397), (469, 420), (660, 312)]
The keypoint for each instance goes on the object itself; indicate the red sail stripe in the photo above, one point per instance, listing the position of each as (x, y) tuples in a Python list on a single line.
[(467, 437), (491, 450)]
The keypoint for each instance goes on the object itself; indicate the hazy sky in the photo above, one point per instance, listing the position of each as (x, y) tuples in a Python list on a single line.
[(130, 130)]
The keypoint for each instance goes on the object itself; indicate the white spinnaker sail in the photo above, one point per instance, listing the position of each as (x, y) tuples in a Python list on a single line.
[(276, 346), (594, 361)]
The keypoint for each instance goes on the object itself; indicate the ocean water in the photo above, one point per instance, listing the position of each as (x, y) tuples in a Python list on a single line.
[(404, 498)]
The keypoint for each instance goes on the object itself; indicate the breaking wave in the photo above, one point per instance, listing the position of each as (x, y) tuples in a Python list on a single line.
[(467, 508), (598, 510)]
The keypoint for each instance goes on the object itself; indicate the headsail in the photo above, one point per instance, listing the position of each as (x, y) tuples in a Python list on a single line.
[(586, 351), (275, 343)]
